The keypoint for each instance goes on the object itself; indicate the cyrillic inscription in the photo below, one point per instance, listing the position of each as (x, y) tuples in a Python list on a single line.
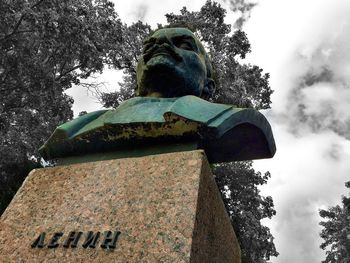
[(90, 240)]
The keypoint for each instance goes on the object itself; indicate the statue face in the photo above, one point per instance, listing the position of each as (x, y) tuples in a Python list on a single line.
[(172, 65)]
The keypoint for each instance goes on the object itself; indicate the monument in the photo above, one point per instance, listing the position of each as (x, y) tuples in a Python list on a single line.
[(134, 184)]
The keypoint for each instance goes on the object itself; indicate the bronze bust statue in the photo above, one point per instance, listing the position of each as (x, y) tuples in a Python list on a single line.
[(174, 64), (174, 76)]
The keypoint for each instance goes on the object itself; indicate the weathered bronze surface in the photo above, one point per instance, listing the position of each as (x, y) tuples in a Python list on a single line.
[(173, 72), (174, 64)]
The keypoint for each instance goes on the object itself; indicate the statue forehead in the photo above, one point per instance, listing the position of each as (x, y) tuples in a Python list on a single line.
[(174, 33), (177, 31)]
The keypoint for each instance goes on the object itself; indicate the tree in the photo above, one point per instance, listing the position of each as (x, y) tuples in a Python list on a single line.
[(242, 85), (239, 182), (336, 231), (127, 60), (45, 48), (239, 84)]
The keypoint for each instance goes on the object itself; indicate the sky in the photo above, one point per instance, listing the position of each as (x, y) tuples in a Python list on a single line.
[(304, 46)]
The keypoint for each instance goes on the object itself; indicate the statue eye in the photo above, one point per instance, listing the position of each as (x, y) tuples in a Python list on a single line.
[(148, 44), (147, 47), (184, 45)]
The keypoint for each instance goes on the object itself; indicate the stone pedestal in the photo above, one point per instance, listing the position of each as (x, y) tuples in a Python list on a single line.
[(159, 208)]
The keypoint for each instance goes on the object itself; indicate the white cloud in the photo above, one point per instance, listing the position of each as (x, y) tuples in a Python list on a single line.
[(304, 45), (129, 11), (308, 173), (329, 101)]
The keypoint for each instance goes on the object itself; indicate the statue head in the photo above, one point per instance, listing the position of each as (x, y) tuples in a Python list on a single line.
[(173, 64)]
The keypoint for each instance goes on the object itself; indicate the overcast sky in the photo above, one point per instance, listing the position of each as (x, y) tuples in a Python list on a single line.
[(304, 45)]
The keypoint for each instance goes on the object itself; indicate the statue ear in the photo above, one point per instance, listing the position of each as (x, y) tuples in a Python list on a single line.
[(209, 89), (137, 91)]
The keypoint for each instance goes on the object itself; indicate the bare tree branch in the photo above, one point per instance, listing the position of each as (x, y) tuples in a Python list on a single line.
[(37, 3), (67, 72)]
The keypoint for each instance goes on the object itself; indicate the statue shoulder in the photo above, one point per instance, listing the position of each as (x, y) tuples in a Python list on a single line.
[(71, 127), (225, 132)]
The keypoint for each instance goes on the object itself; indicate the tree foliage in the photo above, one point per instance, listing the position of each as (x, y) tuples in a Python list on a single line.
[(241, 84), (336, 231), (127, 59), (239, 183), (45, 48)]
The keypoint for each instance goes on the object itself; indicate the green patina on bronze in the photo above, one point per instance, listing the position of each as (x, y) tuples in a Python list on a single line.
[(174, 64), (173, 73)]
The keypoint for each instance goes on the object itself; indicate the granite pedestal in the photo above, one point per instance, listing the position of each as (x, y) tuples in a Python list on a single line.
[(158, 208)]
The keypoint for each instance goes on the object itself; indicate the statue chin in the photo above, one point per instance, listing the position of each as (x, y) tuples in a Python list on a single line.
[(165, 79), (168, 78)]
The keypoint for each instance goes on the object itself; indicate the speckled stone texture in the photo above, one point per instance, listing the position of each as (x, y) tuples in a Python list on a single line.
[(167, 208)]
